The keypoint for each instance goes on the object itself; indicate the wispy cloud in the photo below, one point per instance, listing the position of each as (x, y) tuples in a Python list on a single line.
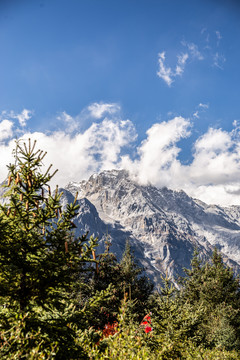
[(196, 114), (168, 74), (193, 50), (70, 124), (22, 117), (200, 109), (203, 106), (164, 72), (219, 60), (219, 37), (182, 58), (212, 48)]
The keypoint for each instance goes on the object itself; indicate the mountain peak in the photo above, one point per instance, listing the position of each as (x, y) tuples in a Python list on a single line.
[(166, 224)]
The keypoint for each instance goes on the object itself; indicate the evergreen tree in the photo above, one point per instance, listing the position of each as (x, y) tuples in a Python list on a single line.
[(174, 323), (127, 280), (40, 260), (108, 273), (212, 282), (135, 282), (213, 286)]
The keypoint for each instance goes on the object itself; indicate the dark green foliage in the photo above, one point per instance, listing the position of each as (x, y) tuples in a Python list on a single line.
[(127, 280), (213, 286), (56, 296), (40, 260), (174, 323), (212, 283), (137, 285)]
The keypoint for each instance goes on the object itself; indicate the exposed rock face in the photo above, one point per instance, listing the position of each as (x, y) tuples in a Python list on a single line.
[(164, 226)]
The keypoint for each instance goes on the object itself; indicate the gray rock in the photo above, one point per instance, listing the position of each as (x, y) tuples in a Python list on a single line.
[(163, 226)]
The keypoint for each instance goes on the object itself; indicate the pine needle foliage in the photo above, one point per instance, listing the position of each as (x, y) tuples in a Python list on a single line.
[(213, 286), (40, 260)]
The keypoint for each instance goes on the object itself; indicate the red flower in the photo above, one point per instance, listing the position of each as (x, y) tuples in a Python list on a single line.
[(147, 329), (146, 323)]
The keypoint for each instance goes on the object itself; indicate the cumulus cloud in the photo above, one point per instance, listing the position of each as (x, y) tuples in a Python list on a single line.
[(97, 110), (212, 176), (70, 124), (157, 162), (6, 129), (214, 161), (79, 154)]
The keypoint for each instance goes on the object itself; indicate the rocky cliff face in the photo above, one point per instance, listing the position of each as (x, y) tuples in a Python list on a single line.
[(163, 226)]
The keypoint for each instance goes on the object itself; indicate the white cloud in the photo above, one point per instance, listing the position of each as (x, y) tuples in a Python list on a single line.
[(164, 72), (200, 109), (181, 63), (77, 155), (204, 106), (236, 124), (70, 123), (219, 60), (213, 140), (157, 161), (213, 175), (23, 117), (212, 49), (209, 52), (93, 150), (167, 73), (193, 49), (97, 110), (6, 131)]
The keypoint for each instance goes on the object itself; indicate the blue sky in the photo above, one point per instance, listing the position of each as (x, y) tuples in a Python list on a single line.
[(151, 86)]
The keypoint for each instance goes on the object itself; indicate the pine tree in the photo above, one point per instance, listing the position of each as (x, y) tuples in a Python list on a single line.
[(193, 282), (136, 284), (211, 282), (213, 286), (174, 323), (40, 260), (127, 280)]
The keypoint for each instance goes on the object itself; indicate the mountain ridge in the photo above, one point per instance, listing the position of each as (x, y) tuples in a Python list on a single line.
[(164, 226)]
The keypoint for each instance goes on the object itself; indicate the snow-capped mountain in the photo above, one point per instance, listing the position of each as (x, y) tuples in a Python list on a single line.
[(163, 226)]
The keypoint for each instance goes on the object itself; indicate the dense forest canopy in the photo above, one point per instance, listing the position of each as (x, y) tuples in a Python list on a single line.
[(59, 300)]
